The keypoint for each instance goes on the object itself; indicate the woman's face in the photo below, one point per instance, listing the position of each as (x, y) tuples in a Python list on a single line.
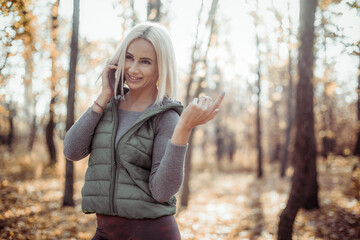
[(141, 69)]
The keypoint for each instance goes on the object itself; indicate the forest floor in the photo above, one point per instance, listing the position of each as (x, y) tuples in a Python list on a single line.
[(223, 205)]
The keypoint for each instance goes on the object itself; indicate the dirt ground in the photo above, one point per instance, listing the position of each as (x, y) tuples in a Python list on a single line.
[(223, 205)]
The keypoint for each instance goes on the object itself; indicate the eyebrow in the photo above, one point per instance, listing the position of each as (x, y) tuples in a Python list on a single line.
[(142, 58)]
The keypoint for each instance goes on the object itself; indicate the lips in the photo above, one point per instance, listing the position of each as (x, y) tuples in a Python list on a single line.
[(133, 78)]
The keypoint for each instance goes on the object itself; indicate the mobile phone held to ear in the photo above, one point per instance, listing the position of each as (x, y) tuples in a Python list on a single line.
[(111, 77)]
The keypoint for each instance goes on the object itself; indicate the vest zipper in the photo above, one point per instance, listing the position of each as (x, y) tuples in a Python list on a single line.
[(114, 156), (113, 159)]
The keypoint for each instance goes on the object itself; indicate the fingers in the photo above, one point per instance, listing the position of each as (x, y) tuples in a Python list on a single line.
[(217, 102), (201, 110), (213, 114), (205, 102), (109, 67), (112, 66)]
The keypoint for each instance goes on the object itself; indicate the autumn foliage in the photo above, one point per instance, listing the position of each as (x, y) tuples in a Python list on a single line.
[(239, 167), (223, 205)]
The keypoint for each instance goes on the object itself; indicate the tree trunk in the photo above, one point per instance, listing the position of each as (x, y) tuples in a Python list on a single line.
[(258, 129), (185, 192), (275, 144), (304, 183), (153, 10), (53, 53), (357, 146), (133, 16), (328, 140), (185, 189), (12, 113), (23, 30), (289, 107), (49, 134), (33, 129), (29, 98), (28, 93), (220, 142), (69, 178), (258, 104)]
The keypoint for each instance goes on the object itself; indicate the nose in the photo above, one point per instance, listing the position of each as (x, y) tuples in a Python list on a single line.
[(133, 68)]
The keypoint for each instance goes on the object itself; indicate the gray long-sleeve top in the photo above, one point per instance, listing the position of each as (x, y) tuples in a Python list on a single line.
[(167, 169)]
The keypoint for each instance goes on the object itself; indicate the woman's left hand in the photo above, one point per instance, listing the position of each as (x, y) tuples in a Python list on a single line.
[(200, 111)]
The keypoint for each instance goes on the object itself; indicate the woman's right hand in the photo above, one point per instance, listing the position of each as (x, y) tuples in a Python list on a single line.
[(106, 90), (106, 86)]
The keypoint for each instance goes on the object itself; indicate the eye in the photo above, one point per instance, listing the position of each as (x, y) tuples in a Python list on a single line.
[(128, 57), (146, 62)]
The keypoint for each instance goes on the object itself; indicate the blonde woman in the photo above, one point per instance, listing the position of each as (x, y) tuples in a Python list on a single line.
[(137, 139)]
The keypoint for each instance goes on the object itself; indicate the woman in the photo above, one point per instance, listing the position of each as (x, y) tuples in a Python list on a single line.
[(136, 141)]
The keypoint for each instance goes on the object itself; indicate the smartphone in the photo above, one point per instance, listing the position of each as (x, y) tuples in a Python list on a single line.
[(111, 77)]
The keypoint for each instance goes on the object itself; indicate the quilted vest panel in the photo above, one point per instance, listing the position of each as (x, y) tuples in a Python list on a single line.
[(117, 178)]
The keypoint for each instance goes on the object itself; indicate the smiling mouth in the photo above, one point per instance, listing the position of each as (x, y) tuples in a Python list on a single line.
[(132, 78)]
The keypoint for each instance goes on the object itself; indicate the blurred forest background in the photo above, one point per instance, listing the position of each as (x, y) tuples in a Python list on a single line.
[(281, 159)]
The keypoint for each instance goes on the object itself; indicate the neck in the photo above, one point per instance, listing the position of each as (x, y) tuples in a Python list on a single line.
[(138, 101)]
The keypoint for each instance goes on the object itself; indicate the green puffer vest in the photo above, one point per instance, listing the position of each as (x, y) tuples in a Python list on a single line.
[(117, 178)]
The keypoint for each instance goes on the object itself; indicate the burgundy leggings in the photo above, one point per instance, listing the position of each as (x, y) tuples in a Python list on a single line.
[(118, 228)]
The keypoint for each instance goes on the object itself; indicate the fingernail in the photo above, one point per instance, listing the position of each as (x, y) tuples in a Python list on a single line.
[(223, 93)]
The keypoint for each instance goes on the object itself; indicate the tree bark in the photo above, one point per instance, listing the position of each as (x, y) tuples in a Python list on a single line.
[(258, 128), (69, 177), (289, 107), (27, 37), (154, 10), (357, 146), (133, 16), (28, 93), (258, 103), (49, 134), (304, 188), (185, 189), (53, 53), (275, 144), (185, 192), (220, 142), (11, 134), (33, 128)]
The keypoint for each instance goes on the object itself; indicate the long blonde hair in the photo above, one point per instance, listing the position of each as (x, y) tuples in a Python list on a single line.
[(159, 37)]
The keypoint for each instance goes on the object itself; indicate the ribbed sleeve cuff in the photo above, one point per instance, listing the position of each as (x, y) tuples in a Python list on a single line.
[(93, 114), (177, 148)]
